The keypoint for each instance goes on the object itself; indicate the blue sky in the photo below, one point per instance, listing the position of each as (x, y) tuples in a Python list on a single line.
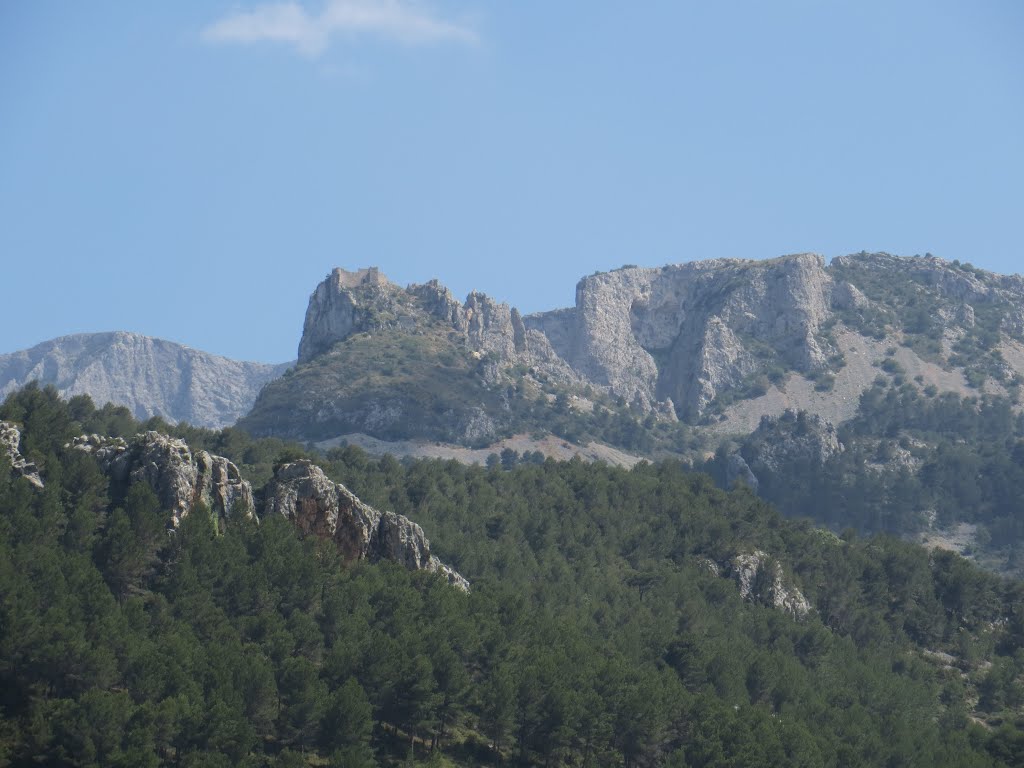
[(191, 170)]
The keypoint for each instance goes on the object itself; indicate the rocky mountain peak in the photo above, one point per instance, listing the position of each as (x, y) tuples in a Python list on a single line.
[(438, 301), (346, 303), (665, 339), (717, 343), (151, 377)]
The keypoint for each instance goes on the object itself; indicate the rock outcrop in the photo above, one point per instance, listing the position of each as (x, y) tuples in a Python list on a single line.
[(180, 477), (302, 493), (347, 303), (738, 471), (791, 439), (298, 491), (10, 443), (683, 333), (150, 377), (760, 580)]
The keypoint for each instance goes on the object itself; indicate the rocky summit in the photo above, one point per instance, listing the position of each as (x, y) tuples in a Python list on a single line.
[(718, 343), (151, 377)]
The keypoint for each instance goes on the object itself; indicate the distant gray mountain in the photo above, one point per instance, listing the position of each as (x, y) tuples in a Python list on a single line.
[(151, 377)]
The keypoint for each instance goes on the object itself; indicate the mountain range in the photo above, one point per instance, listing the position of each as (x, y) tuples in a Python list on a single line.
[(266, 593), (707, 361), (715, 343)]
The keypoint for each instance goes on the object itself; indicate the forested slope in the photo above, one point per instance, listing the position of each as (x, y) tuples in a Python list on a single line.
[(603, 627), (911, 461)]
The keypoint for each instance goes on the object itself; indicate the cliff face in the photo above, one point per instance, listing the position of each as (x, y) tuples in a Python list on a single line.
[(302, 493), (727, 338), (298, 491), (696, 341), (680, 334), (151, 377), (10, 443), (180, 477), (386, 361), (364, 301), (343, 304), (665, 339)]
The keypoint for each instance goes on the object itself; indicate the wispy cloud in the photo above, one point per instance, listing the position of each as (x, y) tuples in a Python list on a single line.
[(312, 33)]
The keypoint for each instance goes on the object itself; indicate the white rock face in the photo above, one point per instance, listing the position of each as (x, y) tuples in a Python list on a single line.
[(669, 341), (343, 304), (303, 494), (760, 580), (150, 377), (179, 477), (10, 442), (347, 303), (683, 333), (666, 339)]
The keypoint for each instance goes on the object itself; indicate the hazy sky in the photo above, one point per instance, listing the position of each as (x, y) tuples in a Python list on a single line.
[(191, 170)]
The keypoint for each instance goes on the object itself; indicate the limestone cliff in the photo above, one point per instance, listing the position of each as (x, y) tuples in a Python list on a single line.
[(719, 343), (298, 491), (389, 362), (667, 340), (10, 443), (151, 377), (302, 493), (681, 334), (180, 477), (348, 303)]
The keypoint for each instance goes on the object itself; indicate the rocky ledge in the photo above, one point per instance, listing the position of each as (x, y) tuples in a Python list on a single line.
[(299, 491), (302, 493), (10, 440), (180, 477)]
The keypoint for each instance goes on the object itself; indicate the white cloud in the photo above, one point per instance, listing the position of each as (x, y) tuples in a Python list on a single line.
[(311, 34)]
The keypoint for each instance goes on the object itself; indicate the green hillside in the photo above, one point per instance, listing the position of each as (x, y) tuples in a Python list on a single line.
[(602, 627)]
